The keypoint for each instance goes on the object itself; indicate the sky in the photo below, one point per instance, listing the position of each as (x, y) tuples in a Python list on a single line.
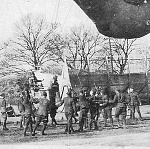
[(64, 11)]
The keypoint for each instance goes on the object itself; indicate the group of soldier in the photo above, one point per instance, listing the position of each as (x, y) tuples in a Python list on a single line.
[(91, 105), (87, 105)]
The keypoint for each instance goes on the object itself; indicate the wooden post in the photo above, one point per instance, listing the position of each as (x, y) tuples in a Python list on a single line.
[(146, 78)]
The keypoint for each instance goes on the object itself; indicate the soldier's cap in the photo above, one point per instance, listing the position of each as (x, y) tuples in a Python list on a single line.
[(2, 95), (44, 93), (55, 77)]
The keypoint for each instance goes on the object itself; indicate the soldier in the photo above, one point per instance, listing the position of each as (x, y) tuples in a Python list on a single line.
[(84, 108), (94, 109), (42, 113), (121, 109), (53, 92), (28, 111), (107, 111), (134, 104), (3, 111), (70, 109)]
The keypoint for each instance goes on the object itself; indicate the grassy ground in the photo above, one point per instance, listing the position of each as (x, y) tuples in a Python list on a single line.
[(136, 134)]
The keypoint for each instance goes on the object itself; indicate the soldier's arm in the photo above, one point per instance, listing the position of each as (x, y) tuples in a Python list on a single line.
[(139, 100), (74, 107), (60, 103)]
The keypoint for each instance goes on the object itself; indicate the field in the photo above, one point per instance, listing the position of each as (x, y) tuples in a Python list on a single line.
[(136, 134)]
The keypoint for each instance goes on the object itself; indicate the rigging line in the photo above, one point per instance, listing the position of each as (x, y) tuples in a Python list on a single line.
[(6, 13), (57, 10), (66, 17), (54, 11)]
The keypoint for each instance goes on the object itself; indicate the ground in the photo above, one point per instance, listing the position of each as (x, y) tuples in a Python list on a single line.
[(136, 134)]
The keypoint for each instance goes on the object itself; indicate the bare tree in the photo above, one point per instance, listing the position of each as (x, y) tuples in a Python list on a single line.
[(118, 51), (82, 45), (32, 34)]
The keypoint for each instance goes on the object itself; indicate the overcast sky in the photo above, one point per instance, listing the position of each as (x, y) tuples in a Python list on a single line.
[(64, 11)]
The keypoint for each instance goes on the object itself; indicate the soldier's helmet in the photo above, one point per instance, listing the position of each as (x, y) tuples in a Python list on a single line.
[(44, 93)]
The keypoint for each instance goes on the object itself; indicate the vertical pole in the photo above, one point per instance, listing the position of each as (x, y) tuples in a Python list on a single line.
[(111, 55), (129, 72), (146, 78)]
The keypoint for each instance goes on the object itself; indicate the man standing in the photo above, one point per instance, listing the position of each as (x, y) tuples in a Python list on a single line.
[(94, 109), (44, 106), (84, 108), (121, 109), (134, 104), (53, 92), (28, 111), (70, 109), (3, 111), (107, 111)]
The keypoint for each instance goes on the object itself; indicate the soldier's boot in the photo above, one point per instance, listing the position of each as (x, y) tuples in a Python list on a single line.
[(111, 122), (4, 126), (21, 125), (105, 122), (124, 123), (31, 128), (140, 116), (36, 126), (96, 126), (43, 129)]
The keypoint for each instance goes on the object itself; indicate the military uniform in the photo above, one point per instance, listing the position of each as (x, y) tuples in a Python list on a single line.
[(134, 105), (121, 109), (28, 112), (84, 108), (94, 110), (53, 92), (70, 109), (4, 112), (107, 111), (42, 113)]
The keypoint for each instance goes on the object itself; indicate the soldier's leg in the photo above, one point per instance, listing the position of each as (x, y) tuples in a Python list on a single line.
[(132, 112), (109, 112), (21, 121), (105, 117), (81, 120), (138, 111), (4, 121), (38, 121), (91, 119), (123, 116), (117, 113), (27, 124), (45, 121), (95, 121)]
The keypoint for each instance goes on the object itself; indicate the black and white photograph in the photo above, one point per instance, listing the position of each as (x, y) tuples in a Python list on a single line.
[(74, 74)]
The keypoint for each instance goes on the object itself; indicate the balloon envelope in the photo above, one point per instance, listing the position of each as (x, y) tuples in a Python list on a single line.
[(119, 18)]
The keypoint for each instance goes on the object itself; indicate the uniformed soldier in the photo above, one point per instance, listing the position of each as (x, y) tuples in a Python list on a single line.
[(84, 108), (70, 109), (107, 110), (42, 113), (3, 111), (28, 111), (94, 109), (121, 108), (53, 92), (134, 104)]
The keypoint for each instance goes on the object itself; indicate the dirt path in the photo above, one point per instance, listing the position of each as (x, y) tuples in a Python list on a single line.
[(136, 135)]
